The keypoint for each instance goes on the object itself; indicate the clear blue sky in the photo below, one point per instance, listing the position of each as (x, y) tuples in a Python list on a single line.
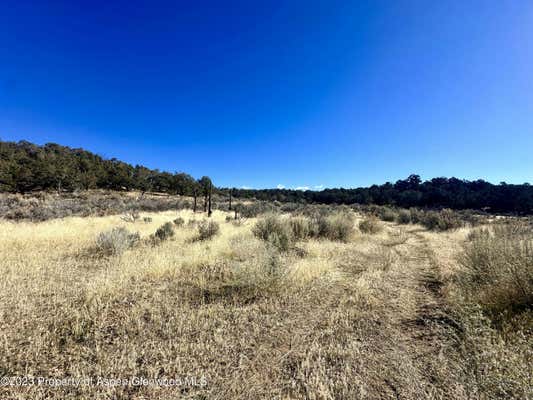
[(297, 93)]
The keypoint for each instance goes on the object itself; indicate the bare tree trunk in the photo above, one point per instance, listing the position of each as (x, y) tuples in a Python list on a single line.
[(194, 206), (209, 211), (230, 191)]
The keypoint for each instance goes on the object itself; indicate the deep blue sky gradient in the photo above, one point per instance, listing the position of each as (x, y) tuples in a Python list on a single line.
[(297, 93)]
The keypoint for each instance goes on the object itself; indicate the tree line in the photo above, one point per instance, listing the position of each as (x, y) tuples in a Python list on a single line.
[(27, 167), (412, 192)]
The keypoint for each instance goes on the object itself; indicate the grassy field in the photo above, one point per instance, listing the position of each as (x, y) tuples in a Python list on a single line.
[(394, 313)]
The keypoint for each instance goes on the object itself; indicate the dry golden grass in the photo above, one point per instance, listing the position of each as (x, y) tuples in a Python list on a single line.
[(324, 320)]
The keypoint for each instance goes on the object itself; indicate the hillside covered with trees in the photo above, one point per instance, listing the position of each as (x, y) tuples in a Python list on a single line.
[(26, 167)]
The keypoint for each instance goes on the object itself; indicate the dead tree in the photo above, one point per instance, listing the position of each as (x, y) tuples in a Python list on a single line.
[(195, 196), (230, 192), (209, 211)]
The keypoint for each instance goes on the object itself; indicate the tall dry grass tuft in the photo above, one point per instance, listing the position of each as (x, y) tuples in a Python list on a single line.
[(492, 297), (498, 268)]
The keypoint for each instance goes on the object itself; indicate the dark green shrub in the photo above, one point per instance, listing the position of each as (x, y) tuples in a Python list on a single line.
[(147, 220), (179, 221)]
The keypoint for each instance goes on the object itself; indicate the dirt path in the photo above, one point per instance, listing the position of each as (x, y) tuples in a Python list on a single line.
[(414, 349), (430, 330)]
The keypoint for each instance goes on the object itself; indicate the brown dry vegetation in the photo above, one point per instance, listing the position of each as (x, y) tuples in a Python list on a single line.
[(371, 316)]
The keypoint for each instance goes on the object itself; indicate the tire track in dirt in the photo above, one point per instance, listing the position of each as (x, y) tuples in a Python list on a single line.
[(431, 329)]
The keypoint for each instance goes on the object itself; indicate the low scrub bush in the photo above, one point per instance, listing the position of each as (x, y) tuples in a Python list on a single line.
[(290, 207), (207, 229), (43, 206), (282, 232), (472, 218), (403, 217), (387, 214), (116, 241), (179, 221), (449, 219), (416, 216), (430, 219), (255, 209), (339, 227), (274, 231), (302, 228), (370, 225), (441, 220), (147, 220), (164, 232), (131, 216), (314, 211)]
